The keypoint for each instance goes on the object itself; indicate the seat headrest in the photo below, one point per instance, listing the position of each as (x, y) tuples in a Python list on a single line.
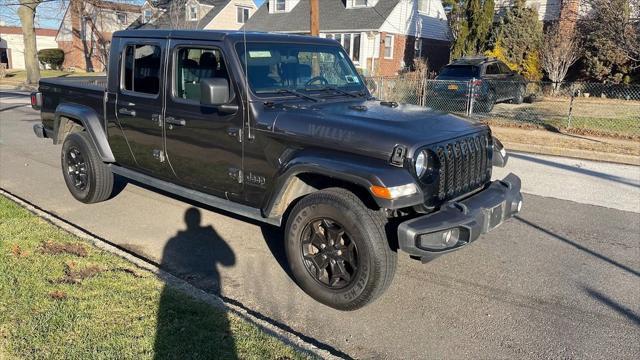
[(208, 60)]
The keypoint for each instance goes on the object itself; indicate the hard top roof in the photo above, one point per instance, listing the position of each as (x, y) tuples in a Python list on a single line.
[(220, 35)]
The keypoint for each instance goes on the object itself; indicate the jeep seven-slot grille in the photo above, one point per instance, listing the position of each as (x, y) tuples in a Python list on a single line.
[(463, 165)]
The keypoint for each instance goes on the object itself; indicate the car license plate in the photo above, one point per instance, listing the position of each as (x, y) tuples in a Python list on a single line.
[(453, 87)]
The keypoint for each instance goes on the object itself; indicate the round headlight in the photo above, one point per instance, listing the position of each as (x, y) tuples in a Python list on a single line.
[(422, 163)]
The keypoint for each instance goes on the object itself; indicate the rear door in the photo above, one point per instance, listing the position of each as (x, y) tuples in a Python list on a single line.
[(494, 77), (204, 144), (139, 105)]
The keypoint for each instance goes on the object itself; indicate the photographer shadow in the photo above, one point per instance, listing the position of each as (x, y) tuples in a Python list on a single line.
[(186, 329)]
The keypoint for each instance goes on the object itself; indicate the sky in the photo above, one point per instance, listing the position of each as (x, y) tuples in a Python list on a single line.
[(48, 14)]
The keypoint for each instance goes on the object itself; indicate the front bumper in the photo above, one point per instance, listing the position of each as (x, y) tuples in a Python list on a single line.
[(468, 219)]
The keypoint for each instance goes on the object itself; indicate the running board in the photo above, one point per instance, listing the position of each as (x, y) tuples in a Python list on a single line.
[(223, 204)]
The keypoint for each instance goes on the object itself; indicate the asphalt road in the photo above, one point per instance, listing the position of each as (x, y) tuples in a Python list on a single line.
[(560, 281)]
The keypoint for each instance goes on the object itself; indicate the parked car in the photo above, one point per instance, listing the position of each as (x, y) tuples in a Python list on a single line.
[(491, 81), (281, 129)]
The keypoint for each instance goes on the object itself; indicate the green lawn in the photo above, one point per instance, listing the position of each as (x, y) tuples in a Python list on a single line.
[(61, 298)]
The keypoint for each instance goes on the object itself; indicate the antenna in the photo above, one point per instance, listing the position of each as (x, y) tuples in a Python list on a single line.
[(246, 83)]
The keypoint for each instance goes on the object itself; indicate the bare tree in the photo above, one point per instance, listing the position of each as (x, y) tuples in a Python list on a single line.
[(560, 50), (619, 22), (27, 14), (177, 15)]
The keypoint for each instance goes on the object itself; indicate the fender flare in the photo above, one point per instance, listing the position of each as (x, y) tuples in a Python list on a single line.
[(90, 121), (357, 170)]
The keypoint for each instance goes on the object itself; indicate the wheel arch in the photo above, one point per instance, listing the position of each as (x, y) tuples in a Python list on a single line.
[(69, 117), (310, 173)]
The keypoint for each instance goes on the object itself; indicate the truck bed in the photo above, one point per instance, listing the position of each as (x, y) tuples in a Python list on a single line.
[(98, 83), (84, 90)]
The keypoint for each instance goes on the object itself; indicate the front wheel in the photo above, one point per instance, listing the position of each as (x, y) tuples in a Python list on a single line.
[(338, 250), (88, 179)]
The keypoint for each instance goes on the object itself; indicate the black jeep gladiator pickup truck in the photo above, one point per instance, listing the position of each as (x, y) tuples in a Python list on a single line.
[(281, 128)]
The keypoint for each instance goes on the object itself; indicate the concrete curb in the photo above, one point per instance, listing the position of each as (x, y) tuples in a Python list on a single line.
[(287, 337), (574, 153)]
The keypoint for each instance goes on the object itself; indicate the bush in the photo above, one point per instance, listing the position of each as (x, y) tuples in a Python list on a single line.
[(52, 57)]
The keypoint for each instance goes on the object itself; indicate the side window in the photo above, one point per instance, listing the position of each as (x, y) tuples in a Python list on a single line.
[(191, 66), (492, 69), (504, 68), (141, 69)]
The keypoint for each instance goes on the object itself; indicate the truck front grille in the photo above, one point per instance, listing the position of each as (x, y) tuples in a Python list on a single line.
[(464, 165)]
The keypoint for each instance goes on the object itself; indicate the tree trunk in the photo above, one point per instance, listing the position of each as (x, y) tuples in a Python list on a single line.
[(27, 14)]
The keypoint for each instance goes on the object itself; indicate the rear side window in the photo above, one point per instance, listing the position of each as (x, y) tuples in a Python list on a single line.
[(492, 69), (141, 69), (465, 71), (504, 68)]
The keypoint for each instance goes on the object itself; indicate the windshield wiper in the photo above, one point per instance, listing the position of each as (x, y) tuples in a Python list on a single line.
[(297, 93), (335, 89)]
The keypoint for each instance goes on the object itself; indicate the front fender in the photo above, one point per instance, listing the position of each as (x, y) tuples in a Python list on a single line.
[(360, 171), (90, 121)]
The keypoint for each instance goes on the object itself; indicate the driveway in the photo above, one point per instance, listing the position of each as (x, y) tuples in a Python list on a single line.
[(561, 280)]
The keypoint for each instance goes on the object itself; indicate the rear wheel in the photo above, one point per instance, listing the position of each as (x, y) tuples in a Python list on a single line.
[(337, 249), (486, 105), (88, 179)]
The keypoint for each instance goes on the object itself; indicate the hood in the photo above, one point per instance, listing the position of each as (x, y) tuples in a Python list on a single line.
[(367, 127)]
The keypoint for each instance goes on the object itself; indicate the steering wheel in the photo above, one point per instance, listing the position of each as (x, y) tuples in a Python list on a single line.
[(321, 79)]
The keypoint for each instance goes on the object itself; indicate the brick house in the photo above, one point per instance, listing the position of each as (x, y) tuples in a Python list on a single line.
[(12, 44), (85, 31), (195, 14), (382, 37)]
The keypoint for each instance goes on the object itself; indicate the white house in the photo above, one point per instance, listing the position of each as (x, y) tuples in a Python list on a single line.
[(382, 37), (12, 44)]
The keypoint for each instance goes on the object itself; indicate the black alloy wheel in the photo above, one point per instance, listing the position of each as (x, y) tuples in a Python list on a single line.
[(337, 249), (77, 168), (88, 178), (330, 255)]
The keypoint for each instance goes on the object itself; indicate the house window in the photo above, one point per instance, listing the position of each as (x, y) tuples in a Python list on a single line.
[(242, 15), (359, 3), (192, 12), (122, 17), (141, 69), (423, 6), (350, 43), (281, 5), (388, 47), (146, 15)]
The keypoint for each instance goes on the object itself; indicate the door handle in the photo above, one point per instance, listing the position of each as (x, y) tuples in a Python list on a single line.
[(174, 121), (125, 111)]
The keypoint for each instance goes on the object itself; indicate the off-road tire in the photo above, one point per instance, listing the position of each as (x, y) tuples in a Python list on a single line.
[(99, 178), (364, 226), (486, 105)]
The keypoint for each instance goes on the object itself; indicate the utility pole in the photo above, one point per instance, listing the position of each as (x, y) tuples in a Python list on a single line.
[(315, 31), (315, 17)]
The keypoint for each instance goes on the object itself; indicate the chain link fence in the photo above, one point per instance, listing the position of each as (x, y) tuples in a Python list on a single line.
[(588, 108)]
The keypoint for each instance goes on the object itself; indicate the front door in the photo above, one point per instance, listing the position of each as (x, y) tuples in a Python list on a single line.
[(204, 144), (139, 106)]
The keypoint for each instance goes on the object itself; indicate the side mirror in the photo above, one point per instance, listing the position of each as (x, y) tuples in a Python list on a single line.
[(214, 91)]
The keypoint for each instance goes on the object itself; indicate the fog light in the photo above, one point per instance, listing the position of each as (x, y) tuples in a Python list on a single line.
[(439, 240)]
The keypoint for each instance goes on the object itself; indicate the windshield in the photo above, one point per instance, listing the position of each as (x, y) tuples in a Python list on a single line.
[(276, 67), (466, 71)]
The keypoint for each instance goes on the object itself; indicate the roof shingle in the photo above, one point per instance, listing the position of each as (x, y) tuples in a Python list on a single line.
[(333, 17)]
